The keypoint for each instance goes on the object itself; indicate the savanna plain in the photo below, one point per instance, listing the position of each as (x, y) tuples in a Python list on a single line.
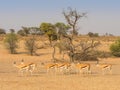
[(40, 80)]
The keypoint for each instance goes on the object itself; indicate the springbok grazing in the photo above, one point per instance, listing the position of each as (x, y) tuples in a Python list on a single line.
[(105, 67), (28, 67), (82, 66)]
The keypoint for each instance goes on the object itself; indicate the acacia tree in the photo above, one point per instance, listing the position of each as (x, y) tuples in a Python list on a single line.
[(72, 17), (35, 31), (30, 30), (49, 30), (24, 31)]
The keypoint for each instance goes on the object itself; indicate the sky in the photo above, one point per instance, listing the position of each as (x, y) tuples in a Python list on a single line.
[(103, 16)]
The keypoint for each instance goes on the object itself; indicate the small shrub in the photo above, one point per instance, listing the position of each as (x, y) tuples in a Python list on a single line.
[(90, 34), (84, 51), (54, 37), (2, 31), (115, 48), (21, 32), (11, 42), (31, 45), (103, 54)]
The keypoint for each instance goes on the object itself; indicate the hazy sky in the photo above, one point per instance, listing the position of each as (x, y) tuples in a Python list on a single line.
[(103, 15)]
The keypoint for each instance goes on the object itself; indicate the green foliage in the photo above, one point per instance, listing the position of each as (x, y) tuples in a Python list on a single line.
[(24, 31), (35, 31), (30, 30), (115, 48), (11, 42), (49, 30), (62, 29), (53, 37), (12, 30), (21, 32)]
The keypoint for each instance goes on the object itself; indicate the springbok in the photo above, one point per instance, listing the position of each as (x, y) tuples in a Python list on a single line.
[(63, 66), (27, 67), (82, 66), (105, 67), (49, 66)]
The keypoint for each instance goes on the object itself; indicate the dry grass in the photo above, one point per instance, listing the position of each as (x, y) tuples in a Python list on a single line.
[(40, 80)]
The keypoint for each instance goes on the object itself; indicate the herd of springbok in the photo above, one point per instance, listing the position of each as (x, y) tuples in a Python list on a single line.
[(62, 67)]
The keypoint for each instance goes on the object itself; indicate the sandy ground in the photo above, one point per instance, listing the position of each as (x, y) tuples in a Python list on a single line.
[(40, 80)]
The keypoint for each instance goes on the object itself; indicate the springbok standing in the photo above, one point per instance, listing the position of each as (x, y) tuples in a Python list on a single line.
[(63, 67), (82, 66), (28, 67), (104, 67)]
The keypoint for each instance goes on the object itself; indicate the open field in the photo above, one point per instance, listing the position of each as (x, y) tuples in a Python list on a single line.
[(40, 80)]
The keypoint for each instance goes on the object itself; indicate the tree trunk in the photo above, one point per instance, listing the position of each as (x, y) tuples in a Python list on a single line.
[(53, 54)]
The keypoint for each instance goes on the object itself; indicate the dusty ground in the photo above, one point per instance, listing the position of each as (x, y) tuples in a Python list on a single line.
[(40, 80)]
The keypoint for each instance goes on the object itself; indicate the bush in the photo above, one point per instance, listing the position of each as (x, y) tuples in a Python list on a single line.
[(11, 42), (53, 37), (90, 34), (21, 32), (84, 51), (2, 31), (103, 54), (31, 45), (115, 48), (85, 57)]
